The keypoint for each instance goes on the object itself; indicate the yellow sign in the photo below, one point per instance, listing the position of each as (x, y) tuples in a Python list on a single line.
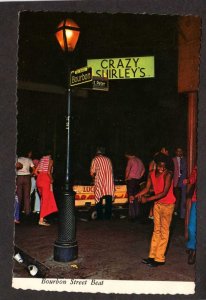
[(123, 68), (85, 194), (80, 76)]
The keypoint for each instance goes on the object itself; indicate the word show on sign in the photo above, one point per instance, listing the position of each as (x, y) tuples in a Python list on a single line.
[(123, 68), (122, 73), (80, 76)]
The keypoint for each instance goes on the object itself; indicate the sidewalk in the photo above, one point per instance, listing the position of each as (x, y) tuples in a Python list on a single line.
[(106, 250)]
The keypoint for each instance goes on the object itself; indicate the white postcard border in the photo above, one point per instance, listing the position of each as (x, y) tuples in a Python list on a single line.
[(105, 286)]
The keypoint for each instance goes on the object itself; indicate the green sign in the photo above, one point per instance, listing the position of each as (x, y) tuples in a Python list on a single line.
[(123, 68), (80, 76)]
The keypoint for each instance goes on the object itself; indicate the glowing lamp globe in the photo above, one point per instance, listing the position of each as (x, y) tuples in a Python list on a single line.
[(67, 35)]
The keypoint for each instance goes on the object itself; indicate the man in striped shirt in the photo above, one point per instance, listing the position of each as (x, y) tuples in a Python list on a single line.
[(102, 172)]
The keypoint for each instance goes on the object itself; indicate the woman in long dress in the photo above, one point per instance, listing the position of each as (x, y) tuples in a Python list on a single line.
[(44, 184)]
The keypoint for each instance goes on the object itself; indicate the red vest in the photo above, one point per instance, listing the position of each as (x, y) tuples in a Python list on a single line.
[(158, 185)]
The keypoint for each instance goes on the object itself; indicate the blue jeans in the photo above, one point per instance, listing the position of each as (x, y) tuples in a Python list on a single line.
[(191, 243), (16, 209)]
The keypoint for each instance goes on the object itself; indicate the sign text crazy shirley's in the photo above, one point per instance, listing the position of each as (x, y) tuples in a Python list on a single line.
[(123, 68)]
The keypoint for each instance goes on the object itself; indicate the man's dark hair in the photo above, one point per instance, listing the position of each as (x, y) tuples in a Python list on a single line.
[(130, 152), (24, 153), (179, 147), (160, 157), (100, 150), (165, 147)]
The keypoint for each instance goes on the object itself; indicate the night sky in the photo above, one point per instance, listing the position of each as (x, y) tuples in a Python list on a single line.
[(139, 114)]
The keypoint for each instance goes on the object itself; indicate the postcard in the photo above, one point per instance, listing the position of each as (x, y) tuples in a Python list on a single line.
[(104, 125)]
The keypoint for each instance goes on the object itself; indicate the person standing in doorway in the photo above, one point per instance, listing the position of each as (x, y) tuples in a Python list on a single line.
[(102, 172), (134, 172), (180, 173)]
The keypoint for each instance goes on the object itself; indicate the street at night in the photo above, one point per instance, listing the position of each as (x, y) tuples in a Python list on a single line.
[(140, 104), (103, 155), (107, 250), (103, 134)]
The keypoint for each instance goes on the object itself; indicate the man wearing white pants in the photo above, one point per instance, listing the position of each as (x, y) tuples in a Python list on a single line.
[(36, 195)]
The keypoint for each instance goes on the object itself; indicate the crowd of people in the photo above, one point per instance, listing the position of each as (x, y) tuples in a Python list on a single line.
[(34, 176), (165, 191)]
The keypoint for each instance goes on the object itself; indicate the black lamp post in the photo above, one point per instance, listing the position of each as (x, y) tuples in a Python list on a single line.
[(65, 247)]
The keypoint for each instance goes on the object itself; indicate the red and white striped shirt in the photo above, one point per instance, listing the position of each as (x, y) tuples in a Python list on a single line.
[(43, 164), (101, 166)]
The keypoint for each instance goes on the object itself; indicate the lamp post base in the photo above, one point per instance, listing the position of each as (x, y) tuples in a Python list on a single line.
[(64, 252)]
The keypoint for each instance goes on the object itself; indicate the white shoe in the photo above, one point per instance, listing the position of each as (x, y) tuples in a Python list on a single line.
[(122, 217), (18, 258), (32, 270)]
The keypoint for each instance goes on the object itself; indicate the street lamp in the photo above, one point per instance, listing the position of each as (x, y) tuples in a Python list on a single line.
[(65, 247), (67, 35)]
